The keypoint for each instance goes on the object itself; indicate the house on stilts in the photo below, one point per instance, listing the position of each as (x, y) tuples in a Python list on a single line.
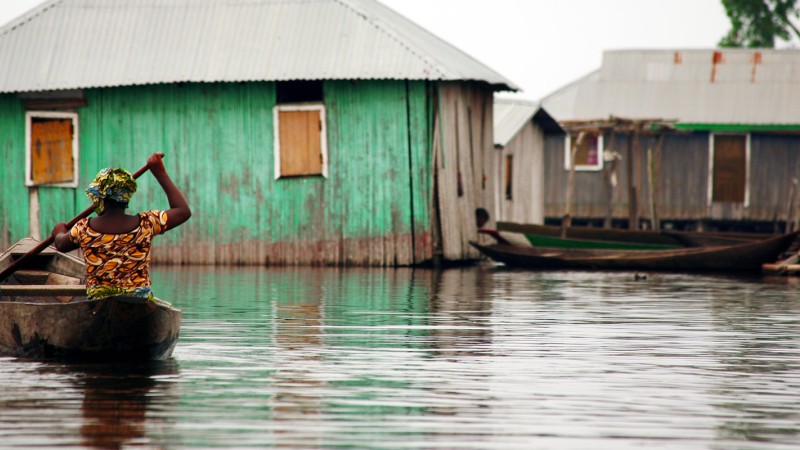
[(683, 139)]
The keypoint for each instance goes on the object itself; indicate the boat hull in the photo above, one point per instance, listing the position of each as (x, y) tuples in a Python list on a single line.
[(102, 329), (747, 256)]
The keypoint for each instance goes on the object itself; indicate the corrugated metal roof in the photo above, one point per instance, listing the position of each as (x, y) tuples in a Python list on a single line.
[(510, 115), (722, 86), (70, 44)]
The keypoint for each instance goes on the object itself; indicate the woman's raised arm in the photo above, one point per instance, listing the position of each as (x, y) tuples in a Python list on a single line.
[(179, 211)]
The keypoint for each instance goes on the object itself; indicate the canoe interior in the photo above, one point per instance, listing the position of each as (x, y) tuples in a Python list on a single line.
[(49, 260), (606, 238)]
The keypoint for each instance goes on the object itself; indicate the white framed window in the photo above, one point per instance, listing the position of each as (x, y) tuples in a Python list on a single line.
[(588, 154), (301, 147), (51, 149), (729, 168)]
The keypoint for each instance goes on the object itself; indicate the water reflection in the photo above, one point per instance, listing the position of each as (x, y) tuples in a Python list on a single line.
[(84, 405), (473, 358), (117, 399), (461, 307), (297, 389), (758, 362), (327, 333)]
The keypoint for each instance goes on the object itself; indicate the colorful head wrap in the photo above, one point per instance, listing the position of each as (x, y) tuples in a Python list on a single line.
[(111, 183)]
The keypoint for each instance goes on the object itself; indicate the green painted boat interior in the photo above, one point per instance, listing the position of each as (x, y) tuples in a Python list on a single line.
[(547, 241)]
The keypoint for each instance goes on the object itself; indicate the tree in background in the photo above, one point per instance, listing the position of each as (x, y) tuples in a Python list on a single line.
[(760, 23)]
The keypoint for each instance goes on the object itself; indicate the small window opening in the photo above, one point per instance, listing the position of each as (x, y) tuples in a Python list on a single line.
[(298, 92), (51, 149), (509, 172), (588, 154), (300, 130)]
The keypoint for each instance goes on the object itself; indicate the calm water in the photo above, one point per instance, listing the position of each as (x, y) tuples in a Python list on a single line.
[(476, 358)]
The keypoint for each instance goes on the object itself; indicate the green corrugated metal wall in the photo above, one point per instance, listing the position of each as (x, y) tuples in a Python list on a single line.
[(218, 139), (13, 194)]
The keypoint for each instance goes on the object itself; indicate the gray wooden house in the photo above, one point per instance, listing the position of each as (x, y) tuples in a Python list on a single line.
[(324, 132), (679, 138), (517, 174)]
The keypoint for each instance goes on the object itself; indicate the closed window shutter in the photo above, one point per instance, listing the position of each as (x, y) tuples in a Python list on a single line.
[(51, 151), (300, 143)]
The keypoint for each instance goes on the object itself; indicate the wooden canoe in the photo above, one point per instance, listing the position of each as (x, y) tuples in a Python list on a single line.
[(742, 256), (44, 313), (606, 238)]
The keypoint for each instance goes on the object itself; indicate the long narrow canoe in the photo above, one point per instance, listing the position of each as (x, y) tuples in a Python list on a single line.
[(742, 256), (605, 238), (44, 313)]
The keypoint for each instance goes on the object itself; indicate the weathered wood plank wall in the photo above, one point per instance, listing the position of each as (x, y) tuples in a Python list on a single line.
[(776, 161), (374, 209), (13, 194), (682, 185), (589, 194), (463, 137), (527, 197), (682, 192)]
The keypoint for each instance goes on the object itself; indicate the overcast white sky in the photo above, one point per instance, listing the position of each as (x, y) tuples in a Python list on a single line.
[(542, 45)]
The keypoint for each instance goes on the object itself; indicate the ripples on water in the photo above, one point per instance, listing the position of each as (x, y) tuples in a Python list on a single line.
[(476, 358)]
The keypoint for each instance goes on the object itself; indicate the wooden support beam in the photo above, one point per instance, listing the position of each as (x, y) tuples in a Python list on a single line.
[(788, 266)]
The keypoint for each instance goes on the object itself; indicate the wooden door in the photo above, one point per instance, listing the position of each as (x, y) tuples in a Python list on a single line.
[(729, 169)]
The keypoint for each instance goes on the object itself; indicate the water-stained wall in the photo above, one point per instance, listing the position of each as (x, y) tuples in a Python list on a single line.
[(462, 146), (681, 171), (374, 208)]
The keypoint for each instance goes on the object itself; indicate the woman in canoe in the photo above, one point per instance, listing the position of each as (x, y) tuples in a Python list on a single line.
[(116, 245)]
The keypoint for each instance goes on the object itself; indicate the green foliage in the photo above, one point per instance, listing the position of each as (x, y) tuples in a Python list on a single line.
[(760, 23)]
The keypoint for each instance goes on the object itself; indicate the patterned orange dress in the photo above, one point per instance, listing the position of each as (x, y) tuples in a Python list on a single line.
[(118, 264)]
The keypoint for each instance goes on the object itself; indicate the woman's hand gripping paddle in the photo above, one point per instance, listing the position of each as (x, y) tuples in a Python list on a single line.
[(49, 241)]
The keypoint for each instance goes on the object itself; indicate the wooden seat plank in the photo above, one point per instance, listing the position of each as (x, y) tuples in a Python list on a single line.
[(26, 290)]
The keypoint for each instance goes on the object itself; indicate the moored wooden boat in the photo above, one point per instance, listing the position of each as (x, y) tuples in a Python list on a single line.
[(44, 313), (605, 238), (748, 255)]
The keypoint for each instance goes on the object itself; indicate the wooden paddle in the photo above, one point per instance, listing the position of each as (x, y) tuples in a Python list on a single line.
[(49, 241)]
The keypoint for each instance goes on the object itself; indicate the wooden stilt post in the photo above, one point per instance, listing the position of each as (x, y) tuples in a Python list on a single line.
[(609, 177), (796, 224), (567, 220), (790, 207), (631, 186), (653, 159)]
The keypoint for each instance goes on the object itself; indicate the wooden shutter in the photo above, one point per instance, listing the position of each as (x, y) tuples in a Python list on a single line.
[(730, 166), (300, 142), (51, 151)]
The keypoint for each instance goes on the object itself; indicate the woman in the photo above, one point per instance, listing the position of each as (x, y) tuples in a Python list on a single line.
[(116, 245)]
